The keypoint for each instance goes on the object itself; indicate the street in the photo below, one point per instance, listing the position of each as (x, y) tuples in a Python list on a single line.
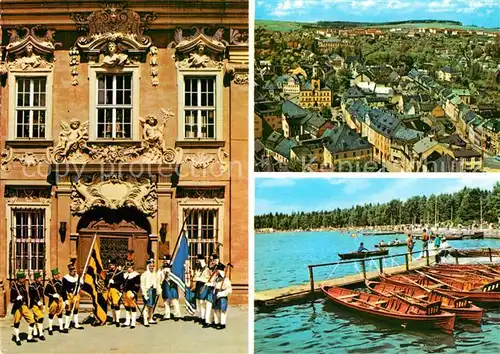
[(164, 337)]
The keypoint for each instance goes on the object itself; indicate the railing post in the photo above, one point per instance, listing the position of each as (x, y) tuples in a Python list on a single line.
[(407, 263), (491, 258), (456, 258), (427, 256), (311, 278), (363, 266), (380, 265)]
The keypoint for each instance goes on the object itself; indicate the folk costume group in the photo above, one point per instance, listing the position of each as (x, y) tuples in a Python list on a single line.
[(210, 284)]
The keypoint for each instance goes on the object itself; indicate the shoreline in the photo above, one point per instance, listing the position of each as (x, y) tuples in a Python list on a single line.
[(488, 233)]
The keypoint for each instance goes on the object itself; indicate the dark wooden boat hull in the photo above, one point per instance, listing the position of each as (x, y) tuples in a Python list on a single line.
[(444, 322), (470, 314), (361, 255)]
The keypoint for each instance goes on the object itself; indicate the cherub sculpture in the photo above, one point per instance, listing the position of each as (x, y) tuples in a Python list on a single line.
[(113, 58), (71, 136), (152, 133)]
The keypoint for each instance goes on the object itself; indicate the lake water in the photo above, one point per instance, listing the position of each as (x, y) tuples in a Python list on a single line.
[(281, 260)]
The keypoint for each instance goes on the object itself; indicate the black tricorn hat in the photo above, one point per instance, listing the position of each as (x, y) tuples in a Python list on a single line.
[(71, 265), (214, 256), (220, 266), (200, 257), (166, 257)]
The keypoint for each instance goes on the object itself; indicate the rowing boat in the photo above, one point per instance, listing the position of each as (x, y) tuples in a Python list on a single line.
[(461, 307), (398, 310), (475, 292), (357, 255)]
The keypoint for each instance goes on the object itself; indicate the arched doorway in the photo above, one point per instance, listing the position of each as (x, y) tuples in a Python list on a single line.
[(118, 231)]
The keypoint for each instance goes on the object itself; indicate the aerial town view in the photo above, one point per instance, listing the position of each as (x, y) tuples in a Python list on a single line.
[(365, 86)]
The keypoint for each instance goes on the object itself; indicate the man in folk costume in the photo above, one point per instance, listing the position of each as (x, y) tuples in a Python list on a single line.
[(223, 289), (201, 277), (19, 299), (37, 303), (114, 282), (53, 291), (131, 286), (149, 289), (209, 313), (169, 290), (71, 295)]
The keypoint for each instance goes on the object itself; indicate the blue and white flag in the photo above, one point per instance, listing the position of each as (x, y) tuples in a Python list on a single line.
[(179, 265)]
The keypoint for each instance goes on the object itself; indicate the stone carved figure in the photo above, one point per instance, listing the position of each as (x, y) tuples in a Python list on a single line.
[(198, 59), (113, 58), (152, 133), (72, 135), (30, 59)]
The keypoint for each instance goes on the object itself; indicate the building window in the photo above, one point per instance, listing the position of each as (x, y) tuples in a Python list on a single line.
[(354, 154), (28, 249), (31, 107), (199, 108), (202, 231), (114, 106)]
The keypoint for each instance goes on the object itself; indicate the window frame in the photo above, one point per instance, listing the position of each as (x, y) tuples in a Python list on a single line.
[(114, 106), (218, 91), (10, 212), (13, 77), (215, 205), (94, 71)]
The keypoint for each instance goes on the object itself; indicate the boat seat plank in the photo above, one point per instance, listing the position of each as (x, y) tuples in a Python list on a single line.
[(347, 296)]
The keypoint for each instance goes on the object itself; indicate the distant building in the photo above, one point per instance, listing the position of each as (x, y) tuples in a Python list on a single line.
[(447, 73), (315, 93)]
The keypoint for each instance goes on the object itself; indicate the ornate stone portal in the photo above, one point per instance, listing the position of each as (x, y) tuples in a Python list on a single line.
[(73, 145), (113, 192)]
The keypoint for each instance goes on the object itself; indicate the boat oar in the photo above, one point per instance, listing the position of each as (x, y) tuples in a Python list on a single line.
[(438, 281), (416, 284)]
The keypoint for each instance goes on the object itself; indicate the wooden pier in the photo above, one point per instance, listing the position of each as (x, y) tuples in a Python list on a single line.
[(311, 290), (296, 293)]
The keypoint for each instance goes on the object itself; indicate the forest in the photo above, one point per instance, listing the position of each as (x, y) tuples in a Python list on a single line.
[(462, 208)]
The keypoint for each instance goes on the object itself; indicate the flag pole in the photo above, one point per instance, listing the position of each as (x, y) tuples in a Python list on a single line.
[(180, 233), (83, 274)]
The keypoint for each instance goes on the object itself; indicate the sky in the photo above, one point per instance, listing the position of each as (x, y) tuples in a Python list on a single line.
[(287, 195), (484, 13)]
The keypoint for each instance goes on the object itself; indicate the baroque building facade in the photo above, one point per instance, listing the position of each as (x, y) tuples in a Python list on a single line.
[(125, 120)]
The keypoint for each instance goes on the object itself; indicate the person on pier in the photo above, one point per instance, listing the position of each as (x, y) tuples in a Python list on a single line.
[(410, 244)]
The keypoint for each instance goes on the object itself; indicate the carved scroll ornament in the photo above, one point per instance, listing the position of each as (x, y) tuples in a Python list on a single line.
[(114, 192)]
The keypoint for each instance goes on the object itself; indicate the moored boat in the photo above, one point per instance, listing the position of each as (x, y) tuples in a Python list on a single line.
[(448, 286), (461, 307), (398, 310), (464, 274), (359, 255)]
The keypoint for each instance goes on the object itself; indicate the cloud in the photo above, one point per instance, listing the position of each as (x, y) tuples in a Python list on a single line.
[(286, 7), (363, 4), (352, 185), (397, 4), (275, 182), (265, 206), (482, 181)]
